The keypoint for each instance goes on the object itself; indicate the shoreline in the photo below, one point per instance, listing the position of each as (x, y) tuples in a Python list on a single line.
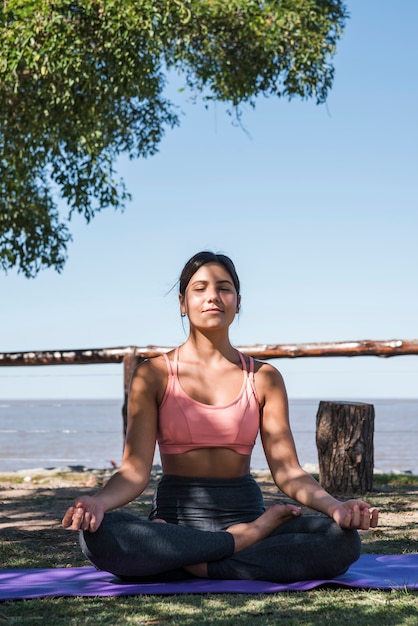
[(43, 474)]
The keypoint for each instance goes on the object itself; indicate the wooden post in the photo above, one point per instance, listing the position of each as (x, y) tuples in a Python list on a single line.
[(344, 439), (130, 361)]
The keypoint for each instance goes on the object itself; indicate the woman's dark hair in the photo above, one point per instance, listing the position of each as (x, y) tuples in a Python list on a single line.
[(202, 258)]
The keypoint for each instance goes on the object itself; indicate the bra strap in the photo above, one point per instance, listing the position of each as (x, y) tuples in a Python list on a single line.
[(169, 368), (244, 364), (176, 362), (251, 377)]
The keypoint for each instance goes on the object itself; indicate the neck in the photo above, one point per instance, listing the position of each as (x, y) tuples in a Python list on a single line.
[(207, 346)]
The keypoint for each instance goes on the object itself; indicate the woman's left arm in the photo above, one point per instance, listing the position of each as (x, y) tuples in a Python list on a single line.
[(281, 455)]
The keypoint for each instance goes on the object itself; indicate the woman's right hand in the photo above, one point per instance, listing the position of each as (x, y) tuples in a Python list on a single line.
[(86, 514)]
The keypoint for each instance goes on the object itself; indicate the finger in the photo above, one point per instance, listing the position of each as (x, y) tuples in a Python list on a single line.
[(365, 519), (369, 518), (93, 524), (85, 524), (374, 519), (67, 520), (355, 516), (78, 517), (347, 520)]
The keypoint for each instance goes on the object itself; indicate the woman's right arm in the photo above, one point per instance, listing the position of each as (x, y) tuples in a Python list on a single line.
[(133, 476)]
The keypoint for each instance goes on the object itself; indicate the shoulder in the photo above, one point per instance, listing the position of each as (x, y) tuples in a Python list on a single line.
[(268, 380), (150, 368), (267, 373), (150, 377)]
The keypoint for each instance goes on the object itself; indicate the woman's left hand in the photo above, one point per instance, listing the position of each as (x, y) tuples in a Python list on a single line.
[(355, 514)]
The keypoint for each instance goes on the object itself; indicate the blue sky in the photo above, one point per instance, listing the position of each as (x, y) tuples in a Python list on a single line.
[(316, 205)]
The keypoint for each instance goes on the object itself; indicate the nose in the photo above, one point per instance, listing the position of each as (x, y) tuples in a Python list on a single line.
[(212, 294)]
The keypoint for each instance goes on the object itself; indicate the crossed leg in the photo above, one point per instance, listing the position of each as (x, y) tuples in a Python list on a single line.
[(250, 533)]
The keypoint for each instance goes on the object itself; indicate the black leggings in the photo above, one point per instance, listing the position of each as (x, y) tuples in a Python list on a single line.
[(197, 512)]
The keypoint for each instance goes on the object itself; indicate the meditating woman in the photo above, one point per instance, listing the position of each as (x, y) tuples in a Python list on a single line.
[(204, 403)]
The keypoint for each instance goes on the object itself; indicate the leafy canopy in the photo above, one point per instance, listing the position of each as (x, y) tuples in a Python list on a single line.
[(82, 81)]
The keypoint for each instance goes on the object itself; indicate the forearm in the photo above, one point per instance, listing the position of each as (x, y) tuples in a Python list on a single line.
[(123, 487), (303, 488)]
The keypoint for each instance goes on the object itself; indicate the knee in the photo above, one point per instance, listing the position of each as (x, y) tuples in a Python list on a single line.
[(347, 549), (101, 541), (91, 543), (348, 539), (353, 541)]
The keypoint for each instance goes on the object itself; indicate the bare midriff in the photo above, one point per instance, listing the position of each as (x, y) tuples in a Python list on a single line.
[(207, 463)]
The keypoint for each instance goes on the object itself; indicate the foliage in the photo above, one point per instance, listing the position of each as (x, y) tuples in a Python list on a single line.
[(82, 81)]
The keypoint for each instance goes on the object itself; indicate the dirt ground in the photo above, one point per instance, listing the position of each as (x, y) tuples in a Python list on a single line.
[(32, 504)]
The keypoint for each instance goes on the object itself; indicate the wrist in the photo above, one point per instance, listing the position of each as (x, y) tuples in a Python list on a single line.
[(332, 506), (325, 503), (101, 501)]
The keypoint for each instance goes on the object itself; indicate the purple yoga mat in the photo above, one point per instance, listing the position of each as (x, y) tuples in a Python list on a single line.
[(371, 571)]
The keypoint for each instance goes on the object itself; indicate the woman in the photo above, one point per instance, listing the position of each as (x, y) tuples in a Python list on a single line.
[(204, 403)]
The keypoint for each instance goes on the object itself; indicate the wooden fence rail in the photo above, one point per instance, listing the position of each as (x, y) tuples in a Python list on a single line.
[(130, 356), (366, 347)]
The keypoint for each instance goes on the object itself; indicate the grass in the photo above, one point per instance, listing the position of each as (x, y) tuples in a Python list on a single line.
[(332, 606), (396, 497)]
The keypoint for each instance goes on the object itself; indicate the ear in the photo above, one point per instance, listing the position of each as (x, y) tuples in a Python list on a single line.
[(238, 303), (182, 305)]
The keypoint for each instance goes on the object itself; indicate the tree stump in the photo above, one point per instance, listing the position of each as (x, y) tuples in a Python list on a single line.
[(344, 439)]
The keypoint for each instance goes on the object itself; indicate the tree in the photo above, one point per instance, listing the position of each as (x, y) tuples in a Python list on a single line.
[(82, 81)]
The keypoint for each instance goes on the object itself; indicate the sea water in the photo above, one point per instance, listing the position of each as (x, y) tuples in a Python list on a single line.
[(89, 433)]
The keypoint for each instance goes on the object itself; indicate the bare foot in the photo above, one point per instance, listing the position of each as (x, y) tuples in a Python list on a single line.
[(200, 570), (246, 535)]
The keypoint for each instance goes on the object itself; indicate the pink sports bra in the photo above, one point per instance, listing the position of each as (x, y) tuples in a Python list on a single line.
[(186, 424)]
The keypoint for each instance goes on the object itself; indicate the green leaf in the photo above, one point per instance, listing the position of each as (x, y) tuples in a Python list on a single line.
[(82, 81)]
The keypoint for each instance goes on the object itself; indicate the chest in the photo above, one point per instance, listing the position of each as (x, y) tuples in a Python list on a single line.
[(211, 387)]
